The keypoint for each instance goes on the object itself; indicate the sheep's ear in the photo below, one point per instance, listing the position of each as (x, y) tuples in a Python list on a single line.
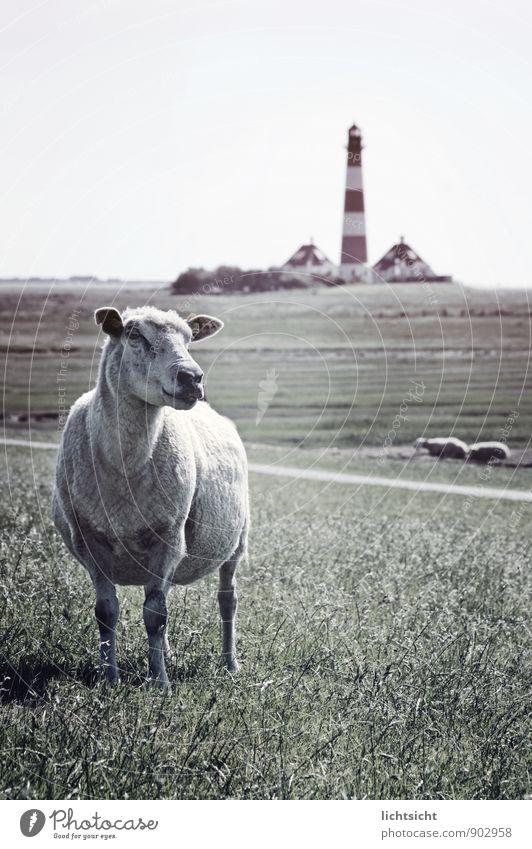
[(110, 319), (203, 326)]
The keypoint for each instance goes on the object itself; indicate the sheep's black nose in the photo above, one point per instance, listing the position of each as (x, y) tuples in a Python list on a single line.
[(190, 376)]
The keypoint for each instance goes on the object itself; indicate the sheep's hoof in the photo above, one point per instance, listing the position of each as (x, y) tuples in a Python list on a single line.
[(107, 684), (231, 665), (158, 683), (108, 677)]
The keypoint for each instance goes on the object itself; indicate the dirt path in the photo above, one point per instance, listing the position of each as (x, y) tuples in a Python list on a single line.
[(349, 479), (393, 483)]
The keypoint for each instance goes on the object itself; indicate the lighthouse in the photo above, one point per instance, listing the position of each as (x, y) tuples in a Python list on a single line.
[(354, 251)]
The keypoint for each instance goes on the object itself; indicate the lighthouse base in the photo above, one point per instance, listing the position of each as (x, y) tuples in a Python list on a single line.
[(356, 273)]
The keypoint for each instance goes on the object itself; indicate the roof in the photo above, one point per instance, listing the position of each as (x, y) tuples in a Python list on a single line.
[(403, 259), (307, 255)]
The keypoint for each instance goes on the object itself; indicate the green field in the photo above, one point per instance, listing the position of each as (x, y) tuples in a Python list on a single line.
[(383, 634), (384, 644), (342, 360)]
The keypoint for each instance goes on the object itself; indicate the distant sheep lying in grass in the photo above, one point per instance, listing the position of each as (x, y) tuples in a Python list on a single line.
[(486, 452), (151, 483), (480, 452), (444, 447)]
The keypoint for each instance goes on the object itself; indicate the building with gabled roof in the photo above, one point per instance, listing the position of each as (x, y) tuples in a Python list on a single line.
[(309, 258), (401, 264)]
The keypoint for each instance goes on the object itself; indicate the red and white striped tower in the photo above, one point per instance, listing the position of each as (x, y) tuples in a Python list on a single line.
[(354, 251)]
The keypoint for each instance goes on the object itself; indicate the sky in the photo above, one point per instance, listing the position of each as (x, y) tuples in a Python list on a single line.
[(141, 138)]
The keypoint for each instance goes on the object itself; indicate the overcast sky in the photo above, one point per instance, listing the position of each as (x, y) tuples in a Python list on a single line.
[(140, 138)]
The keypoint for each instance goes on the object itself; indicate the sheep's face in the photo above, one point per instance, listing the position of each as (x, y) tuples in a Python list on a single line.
[(151, 354)]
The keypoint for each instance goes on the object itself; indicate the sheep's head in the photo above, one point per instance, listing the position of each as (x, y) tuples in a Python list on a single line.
[(150, 356)]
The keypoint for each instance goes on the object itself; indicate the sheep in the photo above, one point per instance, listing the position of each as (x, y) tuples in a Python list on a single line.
[(487, 452), (441, 446), (151, 483)]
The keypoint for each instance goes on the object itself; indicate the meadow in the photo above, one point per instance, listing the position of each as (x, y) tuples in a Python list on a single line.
[(384, 641), (333, 366), (384, 635)]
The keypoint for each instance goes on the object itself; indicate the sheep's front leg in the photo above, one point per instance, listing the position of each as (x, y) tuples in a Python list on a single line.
[(106, 611), (155, 615), (227, 602)]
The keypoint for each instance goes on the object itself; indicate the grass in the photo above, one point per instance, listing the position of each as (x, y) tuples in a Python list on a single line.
[(383, 634), (342, 360), (384, 643)]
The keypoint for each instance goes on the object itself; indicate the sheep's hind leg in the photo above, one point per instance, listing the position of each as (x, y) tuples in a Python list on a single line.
[(227, 602), (155, 616), (106, 612)]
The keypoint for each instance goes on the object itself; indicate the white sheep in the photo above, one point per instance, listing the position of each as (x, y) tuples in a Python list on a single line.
[(487, 452), (440, 446), (151, 482)]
